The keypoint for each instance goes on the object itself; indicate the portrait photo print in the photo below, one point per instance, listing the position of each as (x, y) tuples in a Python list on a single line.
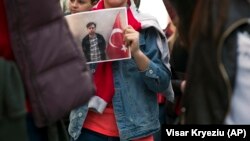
[(99, 34)]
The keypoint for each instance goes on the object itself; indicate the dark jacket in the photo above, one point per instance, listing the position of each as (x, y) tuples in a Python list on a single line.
[(212, 70), (101, 44), (12, 103), (55, 74)]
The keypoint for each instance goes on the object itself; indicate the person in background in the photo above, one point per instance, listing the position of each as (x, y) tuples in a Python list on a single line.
[(93, 44), (180, 24), (169, 110), (216, 90), (65, 6), (35, 82), (75, 6), (133, 113)]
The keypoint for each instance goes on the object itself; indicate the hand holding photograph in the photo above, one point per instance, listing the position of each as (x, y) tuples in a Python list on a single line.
[(99, 34)]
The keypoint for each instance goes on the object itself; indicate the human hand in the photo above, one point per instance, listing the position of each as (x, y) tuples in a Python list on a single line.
[(183, 85), (131, 38)]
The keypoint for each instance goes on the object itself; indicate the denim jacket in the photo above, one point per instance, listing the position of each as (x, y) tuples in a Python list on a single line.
[(135, 99), (135, 102)]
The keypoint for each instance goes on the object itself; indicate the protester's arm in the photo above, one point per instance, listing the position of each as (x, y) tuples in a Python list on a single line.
[(147, 57), (132, 40)]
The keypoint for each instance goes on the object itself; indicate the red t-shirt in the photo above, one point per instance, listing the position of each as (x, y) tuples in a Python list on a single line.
[(105, 124)]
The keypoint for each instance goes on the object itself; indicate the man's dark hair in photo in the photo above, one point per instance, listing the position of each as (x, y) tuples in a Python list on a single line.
[(90, 23)]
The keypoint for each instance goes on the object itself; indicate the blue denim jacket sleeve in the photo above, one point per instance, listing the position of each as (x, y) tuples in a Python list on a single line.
[(76, 118), (157, 76)]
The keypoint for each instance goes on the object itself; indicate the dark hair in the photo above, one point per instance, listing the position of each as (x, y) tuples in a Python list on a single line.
[(94, 1), (209, 16), (137, 3), (184, 10), (90, 23), (199, 17)]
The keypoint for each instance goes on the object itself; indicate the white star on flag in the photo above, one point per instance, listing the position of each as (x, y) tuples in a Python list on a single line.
[(124, 48)]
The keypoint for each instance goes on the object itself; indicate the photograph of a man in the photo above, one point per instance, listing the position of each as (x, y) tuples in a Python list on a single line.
[(100, 41), (93, 44)]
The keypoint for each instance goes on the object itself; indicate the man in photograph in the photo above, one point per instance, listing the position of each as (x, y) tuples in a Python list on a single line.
[(93, 44)]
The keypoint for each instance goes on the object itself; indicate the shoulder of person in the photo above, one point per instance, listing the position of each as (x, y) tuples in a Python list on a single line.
[(148, 21)]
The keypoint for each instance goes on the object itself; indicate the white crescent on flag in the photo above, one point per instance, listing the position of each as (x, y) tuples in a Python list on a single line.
[(115, 30)]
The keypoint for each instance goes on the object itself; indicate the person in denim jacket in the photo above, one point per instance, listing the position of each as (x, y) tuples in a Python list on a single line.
[(133, 112)]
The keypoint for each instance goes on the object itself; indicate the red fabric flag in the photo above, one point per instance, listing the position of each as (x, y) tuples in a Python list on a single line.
[(116, 48)]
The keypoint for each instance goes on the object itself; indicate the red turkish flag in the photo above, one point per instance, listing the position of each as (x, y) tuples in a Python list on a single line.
[(116, 48)]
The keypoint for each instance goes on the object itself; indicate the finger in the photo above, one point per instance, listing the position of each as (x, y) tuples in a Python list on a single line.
[(129, 29)]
